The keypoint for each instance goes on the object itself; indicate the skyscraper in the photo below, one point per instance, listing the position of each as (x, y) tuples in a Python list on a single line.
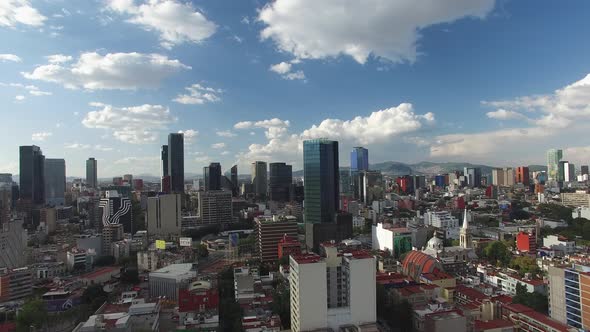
[(359, 159), (115, 209), (212, 177), (584, 170), (281, 177), (55, 181), (164, 158), (553, 158), (259, 178), (321, 180), (176, 162), (522, 175), (473, 176), (32, 174), (91, 173), (234, 180)]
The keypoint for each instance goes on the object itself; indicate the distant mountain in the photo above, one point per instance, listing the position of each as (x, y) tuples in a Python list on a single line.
[(395, 168)]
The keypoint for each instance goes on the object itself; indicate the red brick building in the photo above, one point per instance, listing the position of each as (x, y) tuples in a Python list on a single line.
[(526, 242), (522, 175), (289, 246)]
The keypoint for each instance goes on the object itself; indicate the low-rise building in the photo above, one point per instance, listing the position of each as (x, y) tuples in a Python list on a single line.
[(16, 284), (559, 244), (167, 281)]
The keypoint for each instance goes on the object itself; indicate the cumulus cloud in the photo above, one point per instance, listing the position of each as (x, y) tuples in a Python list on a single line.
[(19, 97), (199, 94), (379, 127), (284, 69), (113, 71), (135, 124), (59, 58), (189, 135), (41, 136), (225, 133), (386, 29), (503, 114), (175, 22), (77, 146), (218, 146), (15, 12), (5, 57)]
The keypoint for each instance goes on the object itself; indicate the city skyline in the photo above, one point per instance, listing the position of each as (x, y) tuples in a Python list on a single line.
[(391, 95)]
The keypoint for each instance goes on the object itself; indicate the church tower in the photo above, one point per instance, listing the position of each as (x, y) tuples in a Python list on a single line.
[(465, 234)]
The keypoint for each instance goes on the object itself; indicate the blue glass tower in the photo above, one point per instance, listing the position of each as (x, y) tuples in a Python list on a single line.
[(359, 159), (321, 180)]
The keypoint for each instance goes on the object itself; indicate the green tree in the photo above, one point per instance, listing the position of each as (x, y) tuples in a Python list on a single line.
[(32, 314), (525, 264), (586, 231), (281, 303), (94, 296), (535, 300), (498, 253), (230, 312)]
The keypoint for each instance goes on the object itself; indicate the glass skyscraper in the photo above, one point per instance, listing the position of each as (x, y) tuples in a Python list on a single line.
[(234, 180), (281, 177), (212, 177), (91, 173), (321, 180), (176, 162), (32, 174), (553, 158), (164, 158), (359, 159), (259, 178), (55, 181)]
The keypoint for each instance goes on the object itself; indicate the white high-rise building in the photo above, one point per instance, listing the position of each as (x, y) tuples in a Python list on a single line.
[(347, 283), (440, 219), (164, 215)]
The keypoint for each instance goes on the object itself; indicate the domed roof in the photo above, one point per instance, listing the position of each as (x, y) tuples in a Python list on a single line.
[(435, 243), (416, 262)]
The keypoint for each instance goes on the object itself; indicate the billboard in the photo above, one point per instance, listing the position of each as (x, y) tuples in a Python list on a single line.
[(161, 244), (186, 242)]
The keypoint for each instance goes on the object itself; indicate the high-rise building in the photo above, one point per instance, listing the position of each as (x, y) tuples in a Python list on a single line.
[(269, 233), (91, 173), (212, 177), (234, 181), (128, 178), (259, 178), (215, 206), (176, 162), (359, 159), (473, 176), (164, 215), (584, 169), (281, 177), (332, 292), (32, 174), (345, 182), (553, 158), (522, 175), (115, 209), (370, 186), (570, 172), (55, 181), (321, 180), (568, 295), (164, 159)]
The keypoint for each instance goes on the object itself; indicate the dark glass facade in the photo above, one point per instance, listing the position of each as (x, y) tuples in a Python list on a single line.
[(176, 162), (259, 178), (55, 182), (32, 174), (359, 159), (212, 177), (91, 173), (321, 180), (164, 158), (234, 180), (281, 177)]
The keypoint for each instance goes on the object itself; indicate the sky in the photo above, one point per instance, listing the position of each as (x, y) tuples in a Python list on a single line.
[(482, 81)]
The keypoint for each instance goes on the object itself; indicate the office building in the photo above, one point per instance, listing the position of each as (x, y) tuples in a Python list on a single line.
[(212, 177), (176, 162), (397, 241), (370, 186), (32, 174), (473, 176), (522, 175), (577, 199), (5, 204), (269, 232), (164, 160), (553, 158), (111, 234), (332, 292), (164, 215), (359, 159), (234, 181), (13, 241), (321, 180), (568, 295), (215, 206), (568, 170), (279, 186), (345, 183), (55, 181), (584, 170), (91, 173), (115, 209), (16, 284), (167, 281), (259, 178), (526, 242)]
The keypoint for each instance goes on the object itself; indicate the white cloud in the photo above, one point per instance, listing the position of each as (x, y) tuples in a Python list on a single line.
[(113, 71), (218, 146), (59, 58), (5, 57), (99, 147), (77, 146), (503, 114), (14, 12), (284, 69), (31, 89), (379, 127), (243, 125), (135, 124), (199, 94), (225, 133), (225, 153), (189, 135), (19, 97), (135, 160), (176, 22), (41, 136), (387, 29)]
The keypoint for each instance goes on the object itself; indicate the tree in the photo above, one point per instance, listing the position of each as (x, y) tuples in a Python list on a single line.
[(105, 261), (535, 300), (525, 264), (32, 313), (498, 253), (586, 231), (281, 304), (230, 312), (130, 276), (138, 216), (94, 296)]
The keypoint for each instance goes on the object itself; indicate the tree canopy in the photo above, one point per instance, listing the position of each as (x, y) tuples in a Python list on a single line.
[(497, 252)]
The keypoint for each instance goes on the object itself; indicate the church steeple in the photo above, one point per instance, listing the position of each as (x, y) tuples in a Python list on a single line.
[(465, 234)]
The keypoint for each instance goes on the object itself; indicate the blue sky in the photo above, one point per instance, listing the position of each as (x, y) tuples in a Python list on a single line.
[(496, 82)]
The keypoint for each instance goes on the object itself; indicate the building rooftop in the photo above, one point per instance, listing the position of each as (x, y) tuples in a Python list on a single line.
[(178, 271), (491, 324), (101, 271), (306, 258)]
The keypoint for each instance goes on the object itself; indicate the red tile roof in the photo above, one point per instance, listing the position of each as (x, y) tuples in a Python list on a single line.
[(491, 324), (546, 320), (101, 271)]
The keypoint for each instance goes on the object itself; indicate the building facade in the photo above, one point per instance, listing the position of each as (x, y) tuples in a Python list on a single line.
[(91, 173), (259, 178), (212, 177), (553, 158), (269, 232), (32, 174), (55, 181), (164, 215), (215, 206), (176, 162), (279, 186)]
